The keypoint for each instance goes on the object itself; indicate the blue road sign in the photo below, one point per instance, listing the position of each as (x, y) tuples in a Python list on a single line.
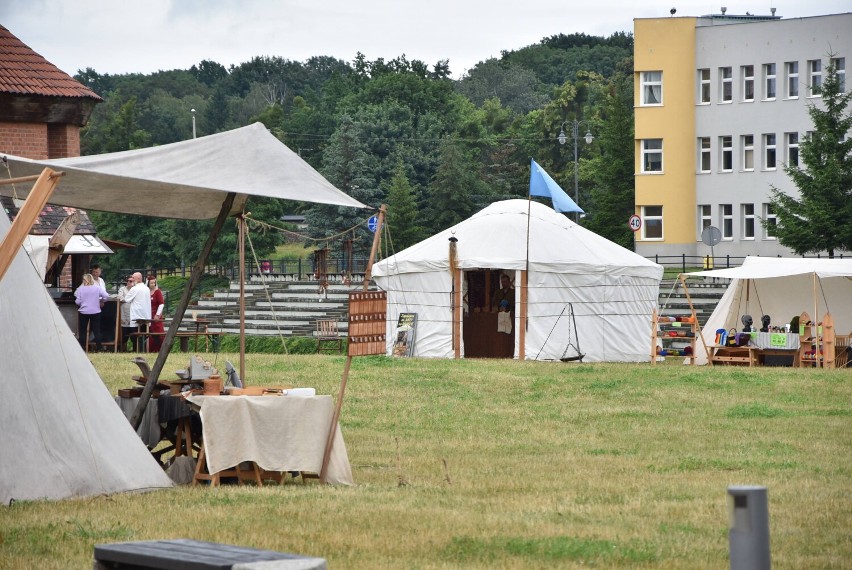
[(373, 223)]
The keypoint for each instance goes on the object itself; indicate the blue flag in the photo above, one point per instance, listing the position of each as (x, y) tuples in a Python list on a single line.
[(541, 184)]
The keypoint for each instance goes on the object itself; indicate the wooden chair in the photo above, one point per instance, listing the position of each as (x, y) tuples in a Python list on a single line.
[(328, 337)]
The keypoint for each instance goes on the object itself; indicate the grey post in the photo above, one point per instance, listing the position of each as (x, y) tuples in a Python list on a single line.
[(748, 536)]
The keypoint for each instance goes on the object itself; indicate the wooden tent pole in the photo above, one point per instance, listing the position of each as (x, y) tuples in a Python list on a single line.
[(522, 330), (696, 328), (816, 321), (368, 273), (241, 223), (335, 417), (27, 215), (194, 278)]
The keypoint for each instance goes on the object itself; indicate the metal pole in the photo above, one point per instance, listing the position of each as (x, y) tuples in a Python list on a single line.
[(193, 122), (575, 128)]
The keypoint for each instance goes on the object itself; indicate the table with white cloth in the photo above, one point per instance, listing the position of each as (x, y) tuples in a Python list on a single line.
[(149, 429), (775, 344), (277, 433)]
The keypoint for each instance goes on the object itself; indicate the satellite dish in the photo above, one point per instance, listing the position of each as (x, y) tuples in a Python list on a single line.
[(711, 236)]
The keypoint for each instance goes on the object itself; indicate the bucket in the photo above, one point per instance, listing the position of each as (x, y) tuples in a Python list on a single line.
[(213, 385)]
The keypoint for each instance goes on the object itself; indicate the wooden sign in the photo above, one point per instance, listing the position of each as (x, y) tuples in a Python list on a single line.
[(367, 322)]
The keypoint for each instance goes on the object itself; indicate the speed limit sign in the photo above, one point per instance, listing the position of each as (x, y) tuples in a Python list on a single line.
[(635, 223)]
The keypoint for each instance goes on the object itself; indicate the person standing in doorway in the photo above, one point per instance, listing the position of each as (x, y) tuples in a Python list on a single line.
[(89, 296), (505, 293)]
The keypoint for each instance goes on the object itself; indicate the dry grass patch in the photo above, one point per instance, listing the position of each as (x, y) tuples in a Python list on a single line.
[(549, 465)]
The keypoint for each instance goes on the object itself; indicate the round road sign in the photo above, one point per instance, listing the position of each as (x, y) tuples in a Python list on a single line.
[(635, 223)]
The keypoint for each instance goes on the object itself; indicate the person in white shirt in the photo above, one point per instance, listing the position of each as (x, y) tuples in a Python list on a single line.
[(95, 270), (139, 299)]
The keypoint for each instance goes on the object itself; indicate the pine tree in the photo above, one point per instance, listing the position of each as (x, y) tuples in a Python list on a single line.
[(821, 218), (403, 217), (452, 187)]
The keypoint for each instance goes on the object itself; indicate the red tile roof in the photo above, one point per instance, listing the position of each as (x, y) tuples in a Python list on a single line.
[(23, 71), (50, 218)]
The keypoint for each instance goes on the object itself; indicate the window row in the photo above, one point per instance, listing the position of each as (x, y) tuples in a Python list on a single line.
[(651, 152), (750, 223), (748, 83), (766, 155)]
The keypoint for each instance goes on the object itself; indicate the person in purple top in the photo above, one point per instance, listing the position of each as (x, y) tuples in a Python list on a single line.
[(89, 296)]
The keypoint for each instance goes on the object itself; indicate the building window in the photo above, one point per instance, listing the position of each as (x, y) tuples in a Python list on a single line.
[(792, 149), (769, 81), (748, 221), (703, 85), (704, 219), (839, 64), (771, 220), (652, 222), (652, 155), (792, 68), (814, 76), (727, 154), (748, 152), (747, 72), (727, 87), (652, 87), (727, 213), (704, 154), (769, 155)]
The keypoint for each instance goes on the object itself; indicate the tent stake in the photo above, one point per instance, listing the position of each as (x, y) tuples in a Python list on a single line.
[(194, 279)]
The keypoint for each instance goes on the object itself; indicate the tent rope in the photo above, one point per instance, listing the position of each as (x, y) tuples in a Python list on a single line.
[(266, 291), (267, 225)]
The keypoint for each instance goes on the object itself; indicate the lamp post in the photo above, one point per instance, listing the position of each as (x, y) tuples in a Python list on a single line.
[(563, 138), (193, 122)]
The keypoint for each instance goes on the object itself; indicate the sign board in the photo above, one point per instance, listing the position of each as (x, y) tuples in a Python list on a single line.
[(635, 223), (367, 322), (373, 223), (406, 327)]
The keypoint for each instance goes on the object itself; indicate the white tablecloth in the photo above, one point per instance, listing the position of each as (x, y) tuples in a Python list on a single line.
[(279, 433), (149, 429)]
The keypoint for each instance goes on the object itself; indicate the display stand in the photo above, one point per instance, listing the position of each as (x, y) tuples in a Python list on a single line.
[(817, 342), (681, 328)]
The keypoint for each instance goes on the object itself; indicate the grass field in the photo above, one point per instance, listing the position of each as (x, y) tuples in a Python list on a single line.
[(501, 464)]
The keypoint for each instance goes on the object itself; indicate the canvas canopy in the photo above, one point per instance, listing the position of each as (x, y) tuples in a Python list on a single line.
[(781, 288), (613, 291), (65, 436), (187, 179)]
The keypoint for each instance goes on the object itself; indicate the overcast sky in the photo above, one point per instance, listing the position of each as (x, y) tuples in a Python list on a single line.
[(126, 36)]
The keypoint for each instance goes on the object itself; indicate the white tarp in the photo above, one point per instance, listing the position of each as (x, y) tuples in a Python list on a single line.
[(63, 435), (187, 179), (781, 288), (613, 290)]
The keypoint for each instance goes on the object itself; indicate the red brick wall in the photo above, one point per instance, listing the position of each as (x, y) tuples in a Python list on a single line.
[(25, 139), (63, 140)]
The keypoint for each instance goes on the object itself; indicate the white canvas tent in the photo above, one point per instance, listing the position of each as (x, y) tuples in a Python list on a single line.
[(613, 290), (781, 288), (64, 434)]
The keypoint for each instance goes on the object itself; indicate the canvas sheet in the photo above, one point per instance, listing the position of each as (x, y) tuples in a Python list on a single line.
[(279, 433)]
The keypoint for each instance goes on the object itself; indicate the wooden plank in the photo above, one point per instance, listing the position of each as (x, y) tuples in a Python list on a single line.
[(184, 554), (27, 215), (522, 330), (335, 417)]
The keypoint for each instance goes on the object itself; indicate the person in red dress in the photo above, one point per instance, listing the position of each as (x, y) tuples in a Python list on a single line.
[(157, 306)]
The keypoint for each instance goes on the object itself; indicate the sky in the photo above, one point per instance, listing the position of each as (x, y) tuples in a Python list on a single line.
[(144, 36)]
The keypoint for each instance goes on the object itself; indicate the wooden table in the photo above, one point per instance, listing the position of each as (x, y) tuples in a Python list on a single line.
[(732, 355), (276, 433)]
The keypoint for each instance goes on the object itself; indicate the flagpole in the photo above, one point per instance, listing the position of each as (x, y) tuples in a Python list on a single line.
[(529, 215)]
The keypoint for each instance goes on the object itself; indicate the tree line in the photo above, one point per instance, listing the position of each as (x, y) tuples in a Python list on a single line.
[(400, 132)]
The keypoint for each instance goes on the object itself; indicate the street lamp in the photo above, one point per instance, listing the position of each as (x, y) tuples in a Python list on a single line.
[(563, 138), (193, 122)]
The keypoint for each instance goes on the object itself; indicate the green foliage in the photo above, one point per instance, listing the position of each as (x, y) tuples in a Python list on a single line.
[(403, 217), (515, 87), (269, 344), (453, 189), (819, 220)]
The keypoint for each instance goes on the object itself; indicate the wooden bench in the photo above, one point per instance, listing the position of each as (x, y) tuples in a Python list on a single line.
[(732, 355), (183, 337), (186, 554)]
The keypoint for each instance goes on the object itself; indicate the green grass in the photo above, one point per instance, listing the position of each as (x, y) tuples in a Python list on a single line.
[(500, 464)]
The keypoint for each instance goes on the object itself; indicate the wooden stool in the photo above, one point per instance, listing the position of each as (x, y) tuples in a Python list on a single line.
[(202, 474)]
